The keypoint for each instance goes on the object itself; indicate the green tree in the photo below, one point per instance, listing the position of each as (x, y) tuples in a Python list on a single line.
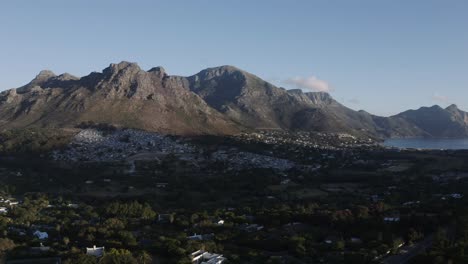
[(340, 245), (396, 244), (144, 258), (6, 245), (127, 238), (298, 245), (66, 241), (81, 259), (114, 223), (361, 212), (413, 235), (118, 256)]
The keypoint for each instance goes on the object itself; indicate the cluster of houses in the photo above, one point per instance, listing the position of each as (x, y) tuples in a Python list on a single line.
[(317, 140), (94, 145), (244, 160), (5, 204), (33, 230), (119, 145), (452, 196)]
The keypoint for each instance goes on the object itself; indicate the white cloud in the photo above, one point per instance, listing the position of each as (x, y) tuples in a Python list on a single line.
[(440, 98), (354, 101), (310, 84)]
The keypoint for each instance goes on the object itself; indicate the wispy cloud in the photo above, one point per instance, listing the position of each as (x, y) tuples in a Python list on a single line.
[(354, 101), (310, 84), (440, 98)]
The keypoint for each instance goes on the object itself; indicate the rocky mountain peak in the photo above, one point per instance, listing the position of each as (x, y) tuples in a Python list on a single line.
[(45, 73), (126, 66), (320, 98), (225, 68), (221, 71), (452, 107), (42, 77), (160, 71), (66, 77)]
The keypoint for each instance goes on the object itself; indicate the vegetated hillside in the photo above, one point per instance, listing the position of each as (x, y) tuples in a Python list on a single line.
[(34, 140)]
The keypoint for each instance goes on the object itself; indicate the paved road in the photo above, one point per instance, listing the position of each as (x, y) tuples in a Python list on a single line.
[(410, 252)]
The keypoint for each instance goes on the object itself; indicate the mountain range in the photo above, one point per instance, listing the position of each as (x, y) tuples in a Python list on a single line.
[(220, 100)]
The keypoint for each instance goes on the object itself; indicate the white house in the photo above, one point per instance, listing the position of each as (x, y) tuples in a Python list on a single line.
[(203, 257), (13, 203), (95, 251), (41, 235), (3, 210), (9, 201)]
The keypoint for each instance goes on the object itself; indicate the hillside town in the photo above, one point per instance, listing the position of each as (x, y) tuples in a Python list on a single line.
[(91, 145), (99, 146), (303, 139)]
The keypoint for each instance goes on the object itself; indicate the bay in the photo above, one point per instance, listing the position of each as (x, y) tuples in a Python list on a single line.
[(427, 143)]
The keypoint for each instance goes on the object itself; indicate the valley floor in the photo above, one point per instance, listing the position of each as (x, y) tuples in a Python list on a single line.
[(255, 198)]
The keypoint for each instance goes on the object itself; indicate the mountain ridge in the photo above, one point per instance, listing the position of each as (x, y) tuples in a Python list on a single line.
[(216, 100)]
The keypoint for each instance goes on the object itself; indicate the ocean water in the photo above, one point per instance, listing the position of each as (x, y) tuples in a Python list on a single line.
[(427, 143)]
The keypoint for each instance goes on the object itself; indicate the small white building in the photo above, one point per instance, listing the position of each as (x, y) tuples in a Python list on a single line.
[(3, 210), (13, 203), (392, 219), (203, 257), (195, 237), (95, 251)]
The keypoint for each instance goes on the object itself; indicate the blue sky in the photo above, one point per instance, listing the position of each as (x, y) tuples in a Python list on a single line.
[(383, 56)]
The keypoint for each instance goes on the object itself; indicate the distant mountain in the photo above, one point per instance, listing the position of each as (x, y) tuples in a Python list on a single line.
[(438, 122), (220, 100)]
